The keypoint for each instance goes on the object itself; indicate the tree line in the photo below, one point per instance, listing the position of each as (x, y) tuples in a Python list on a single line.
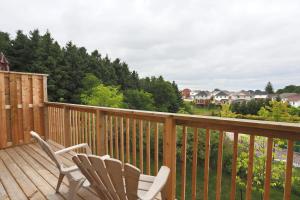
[(68, 66)]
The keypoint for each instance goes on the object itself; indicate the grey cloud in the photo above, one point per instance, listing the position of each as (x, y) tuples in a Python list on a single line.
[(199, 44)]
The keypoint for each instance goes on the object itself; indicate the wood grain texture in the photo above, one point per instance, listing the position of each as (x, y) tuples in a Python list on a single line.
[(183, 162), (289, 171), (268, 169), (194, 164), (234, 166), (206, 165), (219, 165), (250, 168)]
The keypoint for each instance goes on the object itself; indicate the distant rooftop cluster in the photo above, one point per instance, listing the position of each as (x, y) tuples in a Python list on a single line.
[(203, 97)]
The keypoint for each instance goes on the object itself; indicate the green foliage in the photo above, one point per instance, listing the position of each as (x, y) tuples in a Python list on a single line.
[(67, 66), (269, 88), (139, 99), (214, 143), (248, 108), (166, 95), (226, 111), (289, 89), (278, 111), (102, 95), (278, 167)]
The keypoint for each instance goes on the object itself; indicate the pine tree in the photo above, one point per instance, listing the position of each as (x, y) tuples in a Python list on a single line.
[(269, 88)]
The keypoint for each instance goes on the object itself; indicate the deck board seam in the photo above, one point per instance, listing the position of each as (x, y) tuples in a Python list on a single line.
[(37, 190), (35, 171)]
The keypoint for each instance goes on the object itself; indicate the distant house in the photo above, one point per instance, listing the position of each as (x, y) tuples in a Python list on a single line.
[(4, 64), (186, 93), (292, 98), (221, 98), (202, 98), (284, 96), (258, 94), (240, 96)]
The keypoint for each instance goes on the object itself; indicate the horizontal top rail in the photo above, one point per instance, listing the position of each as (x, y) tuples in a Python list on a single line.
[(23, 73), (280, 130)]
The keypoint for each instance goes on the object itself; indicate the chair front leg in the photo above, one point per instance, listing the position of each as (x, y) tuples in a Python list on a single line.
[(74, 187), (60, 178)]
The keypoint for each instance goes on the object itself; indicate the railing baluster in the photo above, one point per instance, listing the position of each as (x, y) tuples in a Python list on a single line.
[(148, 148), (194, 164), (250, 168), (106, 134), (206, 164), (219, 166), (122, 138), (127, 140), (156, 129), (289, 170), (234, 166), (141, 148), (183, 162), (117, 137), (134, 142), (268, 169), (111, 139)]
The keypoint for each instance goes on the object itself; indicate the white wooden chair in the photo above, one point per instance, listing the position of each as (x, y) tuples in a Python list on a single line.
[(114, 181), (75, 177)]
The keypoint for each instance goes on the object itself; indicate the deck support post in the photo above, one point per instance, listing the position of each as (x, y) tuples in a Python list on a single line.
[(169, 156)]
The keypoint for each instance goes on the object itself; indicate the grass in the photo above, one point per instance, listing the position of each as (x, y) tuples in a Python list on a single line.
[(207, 111)]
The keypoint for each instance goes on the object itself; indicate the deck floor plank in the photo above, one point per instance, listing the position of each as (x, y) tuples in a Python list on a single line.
[(44, 173), (35, 151), (3, 194), (26, 172), (33, 173), (23, 181), (13, 189)]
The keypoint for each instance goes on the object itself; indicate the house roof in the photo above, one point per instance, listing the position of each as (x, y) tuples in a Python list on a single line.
[(295, 97), (259, 92), (286, 95), (221, 94), (202, 93), (4, 64)]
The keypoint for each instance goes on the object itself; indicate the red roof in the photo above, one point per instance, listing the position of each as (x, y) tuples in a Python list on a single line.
[(295, 97), (4, 64)]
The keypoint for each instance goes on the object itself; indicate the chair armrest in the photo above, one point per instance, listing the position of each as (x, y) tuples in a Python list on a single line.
[(68, 149), (158, 184)]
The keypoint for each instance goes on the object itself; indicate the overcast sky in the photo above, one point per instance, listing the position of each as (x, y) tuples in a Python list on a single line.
[(202, 44)]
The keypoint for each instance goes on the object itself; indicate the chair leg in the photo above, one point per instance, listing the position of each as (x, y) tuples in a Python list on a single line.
[(74, 187), (60, 178)]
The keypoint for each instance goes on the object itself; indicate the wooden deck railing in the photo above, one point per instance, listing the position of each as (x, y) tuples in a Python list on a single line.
[(127, 135)]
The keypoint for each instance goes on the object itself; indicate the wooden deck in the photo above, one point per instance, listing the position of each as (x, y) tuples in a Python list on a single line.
[(27, 173)]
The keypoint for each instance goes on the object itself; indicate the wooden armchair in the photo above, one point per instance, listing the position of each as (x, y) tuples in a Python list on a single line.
[(114, 181), (75, 177)]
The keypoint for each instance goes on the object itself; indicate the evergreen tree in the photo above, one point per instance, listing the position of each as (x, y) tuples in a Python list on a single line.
[(67, 66), (269, 88)]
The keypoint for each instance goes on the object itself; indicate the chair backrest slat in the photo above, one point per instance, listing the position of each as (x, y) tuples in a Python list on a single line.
[(132, 175), (45, 146), (100, 168), (92, 174), (114, 168)]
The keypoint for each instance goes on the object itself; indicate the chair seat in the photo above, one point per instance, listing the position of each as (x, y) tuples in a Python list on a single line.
[(77, 175), (145, 183)]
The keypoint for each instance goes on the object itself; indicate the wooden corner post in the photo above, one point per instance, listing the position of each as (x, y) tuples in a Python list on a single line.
[(46, 117), (169, 156)]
